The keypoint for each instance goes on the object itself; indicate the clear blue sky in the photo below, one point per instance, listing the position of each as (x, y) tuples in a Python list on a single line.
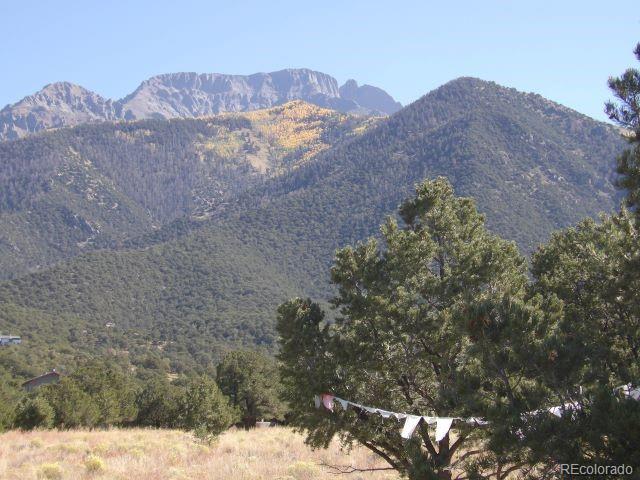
[(564, 50)]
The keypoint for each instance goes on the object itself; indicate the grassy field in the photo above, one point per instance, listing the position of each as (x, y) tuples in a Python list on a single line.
[(269, 453)]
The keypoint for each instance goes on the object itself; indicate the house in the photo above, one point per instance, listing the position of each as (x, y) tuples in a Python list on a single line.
[(263, 424), (9, 340), (45, 379)]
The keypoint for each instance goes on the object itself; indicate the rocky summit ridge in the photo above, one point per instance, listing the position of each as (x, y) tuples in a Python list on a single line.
[(188, 95)]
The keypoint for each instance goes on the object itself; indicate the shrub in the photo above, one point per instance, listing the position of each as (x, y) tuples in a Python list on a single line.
[(205, 410), (50, 471), (156, 404), (73, 407), (303, 470), (9, 397), (34, 412), (94, 464)]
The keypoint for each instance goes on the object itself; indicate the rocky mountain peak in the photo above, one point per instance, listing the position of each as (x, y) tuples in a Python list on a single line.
[(349, 89), (187, 95), (368, 97), (59, 104)]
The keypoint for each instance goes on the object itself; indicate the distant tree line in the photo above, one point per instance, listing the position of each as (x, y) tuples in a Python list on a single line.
[(100, 393)]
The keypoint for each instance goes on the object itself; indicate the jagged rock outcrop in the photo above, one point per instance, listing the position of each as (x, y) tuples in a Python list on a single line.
[(370, 98), (60, 104), (193, 95), (186, 95)]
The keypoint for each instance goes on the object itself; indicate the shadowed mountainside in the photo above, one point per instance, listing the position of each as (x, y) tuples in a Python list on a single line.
[(75, 190)]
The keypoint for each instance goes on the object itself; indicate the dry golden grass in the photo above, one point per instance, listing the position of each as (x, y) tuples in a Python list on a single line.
[(268, 453)]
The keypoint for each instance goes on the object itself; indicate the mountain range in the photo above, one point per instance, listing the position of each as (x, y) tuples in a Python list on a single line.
[(183, 235), (189, 95), (70, 191)]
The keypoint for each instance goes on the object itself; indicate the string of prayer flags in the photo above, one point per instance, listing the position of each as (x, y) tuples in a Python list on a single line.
[(444, 424), (411, 422)]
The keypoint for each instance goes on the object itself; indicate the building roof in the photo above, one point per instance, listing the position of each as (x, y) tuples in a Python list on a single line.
[(52, 373)]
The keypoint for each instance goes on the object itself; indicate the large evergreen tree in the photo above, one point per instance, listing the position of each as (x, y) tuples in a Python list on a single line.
[(596, 343), (73, 407), (430, 322), (158, 402), (112, 390), (593, 270), (626, 113), (252, 382)]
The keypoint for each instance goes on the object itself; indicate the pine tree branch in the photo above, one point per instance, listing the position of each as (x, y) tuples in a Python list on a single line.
[(466, 455), (346, 469), (459, 441), (426, 439), (380, 453)]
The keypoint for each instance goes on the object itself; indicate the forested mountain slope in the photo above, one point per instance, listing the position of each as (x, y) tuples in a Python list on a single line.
[(532, 165), (73, 190)]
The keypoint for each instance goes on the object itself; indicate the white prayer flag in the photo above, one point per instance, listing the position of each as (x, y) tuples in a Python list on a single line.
[(557, 411), (477, 421), (343, 403), (410, 425), (635, 394), (629, 391), (443, 425), (327, 401)]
